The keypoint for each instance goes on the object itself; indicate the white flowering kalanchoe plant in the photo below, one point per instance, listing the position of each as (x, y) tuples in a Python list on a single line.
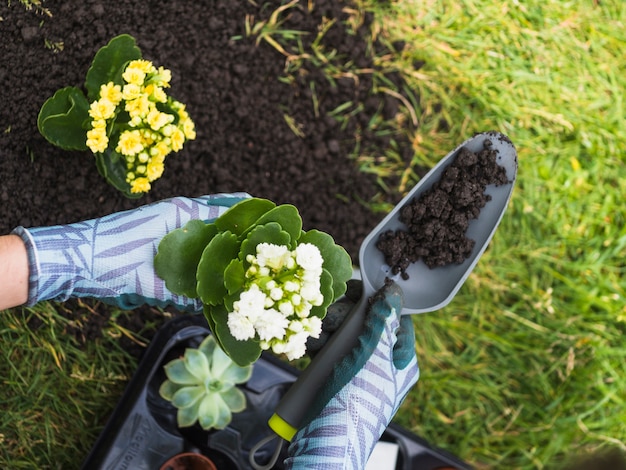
[(127, 120), (202, 385), (281, 288), (265, 283)]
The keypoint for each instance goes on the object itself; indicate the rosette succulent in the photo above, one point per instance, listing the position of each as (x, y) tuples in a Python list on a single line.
[(202, 385), (126, 120), (265, 284)]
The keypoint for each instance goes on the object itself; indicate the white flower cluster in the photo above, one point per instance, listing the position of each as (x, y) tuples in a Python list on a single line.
[(281, 288)]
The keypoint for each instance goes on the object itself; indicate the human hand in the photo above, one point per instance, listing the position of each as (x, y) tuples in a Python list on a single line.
[(363, 393), (111, 258)]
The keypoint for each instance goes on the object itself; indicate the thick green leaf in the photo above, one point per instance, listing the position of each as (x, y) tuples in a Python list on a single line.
[(288, 217), (218, 360), (234, 399), (213, 412), (177, 372), (197, 364), (112, 167), (187, 396), (326, 288), (109, 63), (235, 374), (208, 314), (234, 276), (243, 353), (224, 370), (168, 389), (218, 254), (178, 256), (337, 261), (268, 233), (188, 416), (230, 299), (61, 119), (239, 218), (208, 346)]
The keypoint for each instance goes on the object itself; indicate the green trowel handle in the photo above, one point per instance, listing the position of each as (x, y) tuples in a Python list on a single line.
[(295, 404)]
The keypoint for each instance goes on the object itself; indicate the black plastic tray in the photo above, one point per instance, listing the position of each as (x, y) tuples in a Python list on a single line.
[(141, 434)]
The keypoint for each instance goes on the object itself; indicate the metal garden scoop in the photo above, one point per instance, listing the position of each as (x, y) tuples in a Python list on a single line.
[(425, 290)]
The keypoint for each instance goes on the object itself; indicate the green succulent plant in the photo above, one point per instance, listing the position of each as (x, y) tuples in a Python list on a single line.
[(202, 385)]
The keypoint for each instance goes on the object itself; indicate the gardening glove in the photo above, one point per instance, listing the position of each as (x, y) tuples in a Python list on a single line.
[(363, 393), (111, 258)]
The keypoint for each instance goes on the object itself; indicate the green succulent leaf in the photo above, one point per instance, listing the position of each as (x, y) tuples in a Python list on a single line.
[(61, 119), (235, 374), (221, 366), (109, 63), (219, 363), (288, 217), (187, 396), (234, 399), (168, 389), (268, 233), (177, 372), (336, 260), (243, 215), (178, 256), (214, 412), (197, 364), (216, 257), (188, 416), (208, 346)]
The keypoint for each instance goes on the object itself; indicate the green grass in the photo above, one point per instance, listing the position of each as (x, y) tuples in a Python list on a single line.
[(33, 5), (56, 392), (527, 365)]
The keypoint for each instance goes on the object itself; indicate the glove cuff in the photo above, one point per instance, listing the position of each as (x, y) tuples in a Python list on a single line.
[(33, 264), (53, 253)]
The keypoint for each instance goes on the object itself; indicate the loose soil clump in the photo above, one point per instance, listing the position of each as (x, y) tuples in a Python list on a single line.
[(437, 221)]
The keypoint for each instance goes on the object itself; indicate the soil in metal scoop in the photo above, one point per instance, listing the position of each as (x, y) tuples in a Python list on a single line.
[(437, 221)]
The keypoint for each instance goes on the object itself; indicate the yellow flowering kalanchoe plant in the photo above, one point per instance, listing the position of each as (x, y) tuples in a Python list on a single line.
[(131, 123)]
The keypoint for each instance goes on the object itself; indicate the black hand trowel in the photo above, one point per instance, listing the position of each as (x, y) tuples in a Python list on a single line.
[(424, 289)]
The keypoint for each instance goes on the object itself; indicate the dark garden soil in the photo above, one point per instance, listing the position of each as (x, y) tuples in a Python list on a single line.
[(437, 221), (234, 94)]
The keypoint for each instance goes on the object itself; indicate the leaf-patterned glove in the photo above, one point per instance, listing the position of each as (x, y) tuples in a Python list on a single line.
[(363, 393), (111, 258)]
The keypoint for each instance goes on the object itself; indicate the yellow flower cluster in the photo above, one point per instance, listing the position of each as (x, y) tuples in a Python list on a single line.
[(148, 133)]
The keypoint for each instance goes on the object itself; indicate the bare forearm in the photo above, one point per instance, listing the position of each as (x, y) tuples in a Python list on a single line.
[(13, 272)]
